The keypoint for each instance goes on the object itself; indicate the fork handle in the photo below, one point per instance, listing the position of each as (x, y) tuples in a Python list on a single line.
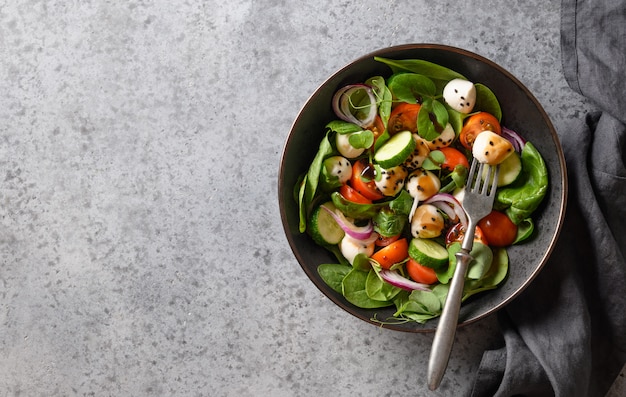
[(446, 329)]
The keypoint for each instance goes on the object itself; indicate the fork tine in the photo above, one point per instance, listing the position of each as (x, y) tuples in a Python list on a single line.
[(485, 178), (494, 184), (470, 176)]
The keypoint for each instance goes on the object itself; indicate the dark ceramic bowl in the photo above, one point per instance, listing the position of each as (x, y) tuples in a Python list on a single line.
[(521, 112)]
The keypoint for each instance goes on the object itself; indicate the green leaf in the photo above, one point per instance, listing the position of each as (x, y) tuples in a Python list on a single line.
[(524, 230), (389, 223), (455, 119), (383, 95), (353, 287), (361, 262), (425, 127), (333, 274), (441, 113), (361, 140), (487, 101), (496, 275), (411, 87), (426, 68), (522, 198), (478, 266), (343, 127), (379, 290)]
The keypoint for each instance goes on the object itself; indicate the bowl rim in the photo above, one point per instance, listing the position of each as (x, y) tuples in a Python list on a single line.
[(562, 199)]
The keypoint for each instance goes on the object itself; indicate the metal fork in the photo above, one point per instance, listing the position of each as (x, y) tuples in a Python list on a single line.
[(477, 202)]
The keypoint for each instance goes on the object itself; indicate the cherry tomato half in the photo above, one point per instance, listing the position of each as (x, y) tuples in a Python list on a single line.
[(499, 230), (383, 241), (377, 128), (454, 157), (420, 273), (352, 195), (362, 180), (394, 253), (457, 233), (476, 124), (403, 117)]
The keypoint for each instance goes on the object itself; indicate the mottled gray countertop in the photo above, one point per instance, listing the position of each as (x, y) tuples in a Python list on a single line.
[(141, 248)]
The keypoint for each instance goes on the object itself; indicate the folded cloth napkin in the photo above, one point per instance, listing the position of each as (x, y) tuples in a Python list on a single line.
[(566, 334)]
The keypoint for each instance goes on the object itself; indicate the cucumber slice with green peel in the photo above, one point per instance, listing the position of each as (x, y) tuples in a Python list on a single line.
[(323, 228), (396, 150), (428, 252), (510, 170)]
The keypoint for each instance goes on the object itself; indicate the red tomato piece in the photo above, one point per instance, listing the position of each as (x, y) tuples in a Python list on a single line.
[(499, 230), (352, 195), (403, 117), (457, 233), (420, 273), (454, 157), (362, 180), (393, 253), (476, 124)]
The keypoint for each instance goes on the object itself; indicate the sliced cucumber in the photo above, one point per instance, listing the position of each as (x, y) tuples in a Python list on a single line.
[(396, 150), (428, 252), (323, 228), (510, 169)]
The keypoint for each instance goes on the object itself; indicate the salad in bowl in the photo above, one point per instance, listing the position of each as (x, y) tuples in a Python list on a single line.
[(381, 199)]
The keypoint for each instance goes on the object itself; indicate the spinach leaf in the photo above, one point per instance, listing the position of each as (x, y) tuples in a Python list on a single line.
[(486, 101), (478, 267), (411, 87), (311, 181), (389, 223), (420, 66), (419, 306), (364, 211), (496, 274), (353, 287), (362, 139), (524, 230), (333, 274), (425, 127), (522, 198), (343, 127), (383, 96), (379, 290)]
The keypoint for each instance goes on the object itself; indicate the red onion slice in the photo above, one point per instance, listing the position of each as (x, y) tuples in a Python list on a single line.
[(452, 202), (399, 281), (341, 105), (357, 232), (516, 139)]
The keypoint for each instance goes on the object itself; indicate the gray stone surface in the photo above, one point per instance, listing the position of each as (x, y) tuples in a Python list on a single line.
[(141, 249)]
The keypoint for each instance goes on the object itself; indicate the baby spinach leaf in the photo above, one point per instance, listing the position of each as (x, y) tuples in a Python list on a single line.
[(478, 266), (524, 230), (411, 87), (423, 67), (455, 118), (496, 274), (389, 223), (522, 198), (343, 127), (311, 181), (362, 262), (353, 287), (441, 113), (379, 290), (362, 139), (333, 274), (425, 127), (486, 101), (383, 96)]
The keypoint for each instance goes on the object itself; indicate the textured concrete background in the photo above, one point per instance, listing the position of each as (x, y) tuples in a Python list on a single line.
[(141, 249)]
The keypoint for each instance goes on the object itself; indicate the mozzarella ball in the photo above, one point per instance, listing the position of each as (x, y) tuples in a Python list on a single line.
[(490, 148), (427, 222)]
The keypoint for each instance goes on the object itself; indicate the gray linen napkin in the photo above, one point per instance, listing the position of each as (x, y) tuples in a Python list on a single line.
[(566, 334)]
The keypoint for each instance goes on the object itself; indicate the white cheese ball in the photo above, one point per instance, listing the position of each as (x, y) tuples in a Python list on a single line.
[(351, 247), (391, 180), (345, 148), (427, 222), (444, 139), (490, 148), (460, 95), (421, 184), (340, 167)]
